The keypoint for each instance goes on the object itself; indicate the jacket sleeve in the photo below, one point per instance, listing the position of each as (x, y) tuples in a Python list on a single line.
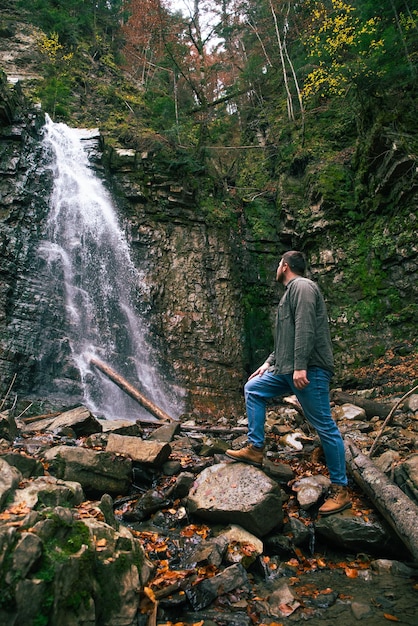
[(303, 302)]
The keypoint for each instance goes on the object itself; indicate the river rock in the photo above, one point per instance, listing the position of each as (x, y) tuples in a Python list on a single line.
[(102, 472), (353, 532), (202, 594), (243, 547), (9, 480), (310, 489), (348, 412), (239, 494), (150, 452), (46, 491)]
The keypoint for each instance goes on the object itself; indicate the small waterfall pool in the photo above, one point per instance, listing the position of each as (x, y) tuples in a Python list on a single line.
[(86, 249)]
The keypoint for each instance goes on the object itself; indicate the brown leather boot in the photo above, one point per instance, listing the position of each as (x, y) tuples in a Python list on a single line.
[(338, 500), (249, 454)]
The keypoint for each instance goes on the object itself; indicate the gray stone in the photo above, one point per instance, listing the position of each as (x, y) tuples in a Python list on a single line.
[(165, 433), (202, 594), (95, 471), (25, 554), (46, 491), (9, 480), (121, 427), (360, 610), (354, 532), (239, 494), (310, 489), (149, 452)]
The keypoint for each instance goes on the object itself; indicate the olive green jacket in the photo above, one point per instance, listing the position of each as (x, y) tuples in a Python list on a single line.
[(302, 336)]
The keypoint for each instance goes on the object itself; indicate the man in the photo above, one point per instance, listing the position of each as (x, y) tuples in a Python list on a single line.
[(301, 364)]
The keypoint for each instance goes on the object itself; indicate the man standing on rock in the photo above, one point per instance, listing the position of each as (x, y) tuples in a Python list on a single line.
[(301, 364)]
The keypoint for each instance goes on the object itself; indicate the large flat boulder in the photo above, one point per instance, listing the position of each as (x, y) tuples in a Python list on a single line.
[(97, 472)]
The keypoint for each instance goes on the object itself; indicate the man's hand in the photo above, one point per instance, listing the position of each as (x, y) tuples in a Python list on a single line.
[(260, 371), (300, 379)]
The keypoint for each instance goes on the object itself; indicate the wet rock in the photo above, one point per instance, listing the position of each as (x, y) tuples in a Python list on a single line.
[(209, 552), (356, 532), (386, 461), (300, 532), (210, 447), (243, 547), (101, 472), (149, 452), (165, 433), (281, 602), (411, 403), (202, 594), (237, 493), (147, 504), (387, 566), (79, 420), (360, 610), (121, 427), (181, 487)]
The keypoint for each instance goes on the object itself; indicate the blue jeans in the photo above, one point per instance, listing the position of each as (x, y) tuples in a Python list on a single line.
[(314, 399)]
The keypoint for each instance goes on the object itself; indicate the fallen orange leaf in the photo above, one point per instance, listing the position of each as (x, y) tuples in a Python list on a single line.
[(391, 618), (350, 572)]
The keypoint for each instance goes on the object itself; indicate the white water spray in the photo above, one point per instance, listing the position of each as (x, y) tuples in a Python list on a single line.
[(87, 249)]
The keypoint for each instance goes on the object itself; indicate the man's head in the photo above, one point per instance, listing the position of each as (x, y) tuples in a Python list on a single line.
[(292, 263)]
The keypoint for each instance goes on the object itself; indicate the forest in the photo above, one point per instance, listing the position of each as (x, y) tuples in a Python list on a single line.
[(291, 121)]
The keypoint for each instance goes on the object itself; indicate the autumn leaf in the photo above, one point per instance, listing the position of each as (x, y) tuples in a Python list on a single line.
[(350, 572), (390, 617)]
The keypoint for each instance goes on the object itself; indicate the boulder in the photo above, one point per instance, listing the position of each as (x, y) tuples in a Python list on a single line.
[(353, 532), (46, 491), (9, 480), (101, 472), (149, 452), (239, 494)]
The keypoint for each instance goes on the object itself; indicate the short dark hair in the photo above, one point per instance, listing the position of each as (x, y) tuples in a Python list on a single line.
[(296, 261)]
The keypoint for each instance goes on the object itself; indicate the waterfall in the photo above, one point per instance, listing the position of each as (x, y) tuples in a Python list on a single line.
[(86, 249)]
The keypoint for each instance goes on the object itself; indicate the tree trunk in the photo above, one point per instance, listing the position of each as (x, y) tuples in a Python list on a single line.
[(123, 384), (371, 407), (395, 506)]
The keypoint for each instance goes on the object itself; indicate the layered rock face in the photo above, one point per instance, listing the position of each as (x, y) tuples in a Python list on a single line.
[(190, 270), (24, 204)]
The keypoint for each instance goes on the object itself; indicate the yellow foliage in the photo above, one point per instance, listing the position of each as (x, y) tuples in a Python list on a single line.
[(338, 37), (50, 46)]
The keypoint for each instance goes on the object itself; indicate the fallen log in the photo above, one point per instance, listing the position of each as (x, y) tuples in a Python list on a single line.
[(123, 384), (372, 408), (394, 505)]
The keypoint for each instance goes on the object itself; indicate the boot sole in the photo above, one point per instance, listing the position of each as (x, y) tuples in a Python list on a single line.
[(243, 460)]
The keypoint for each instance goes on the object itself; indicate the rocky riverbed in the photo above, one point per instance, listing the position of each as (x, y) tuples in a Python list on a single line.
[(125, 522)]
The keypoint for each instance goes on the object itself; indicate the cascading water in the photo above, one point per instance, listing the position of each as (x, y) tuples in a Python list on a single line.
[(86, 249)]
